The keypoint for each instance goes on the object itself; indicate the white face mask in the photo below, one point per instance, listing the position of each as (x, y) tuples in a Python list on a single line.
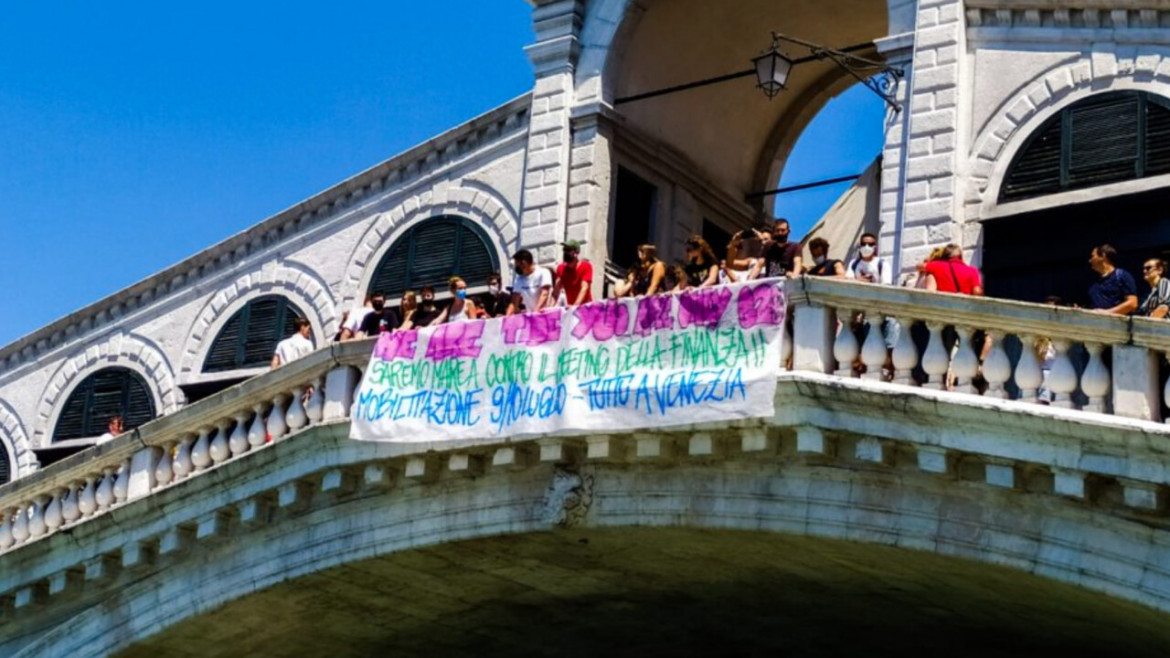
[(494, 288), (866, 250), (819, 260)]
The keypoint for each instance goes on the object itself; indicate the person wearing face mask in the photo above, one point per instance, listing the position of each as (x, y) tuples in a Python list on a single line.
[(494, 302), (427, 309), (822, 264), (462, 309), (781, 257), (532, 287), (868, 267), (574, 276), (381, 319)]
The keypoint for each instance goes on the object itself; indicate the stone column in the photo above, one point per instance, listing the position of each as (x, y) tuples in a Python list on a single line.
[(544, 205), (931, 141)]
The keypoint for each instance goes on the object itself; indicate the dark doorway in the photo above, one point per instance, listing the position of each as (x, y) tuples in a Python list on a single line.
[(633, 217), (1046, 252), (716, 237)]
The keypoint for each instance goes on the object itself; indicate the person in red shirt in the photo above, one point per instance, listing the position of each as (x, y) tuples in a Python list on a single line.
[(574, 276), (950, 274)]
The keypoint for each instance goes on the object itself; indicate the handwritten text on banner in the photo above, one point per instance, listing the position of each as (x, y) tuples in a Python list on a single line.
[(704, 355)]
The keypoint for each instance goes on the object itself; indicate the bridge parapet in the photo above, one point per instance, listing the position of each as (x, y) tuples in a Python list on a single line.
[(1099, 363)]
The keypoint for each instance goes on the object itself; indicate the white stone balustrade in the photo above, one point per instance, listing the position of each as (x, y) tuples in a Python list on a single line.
[(166, 452), (982, 346)]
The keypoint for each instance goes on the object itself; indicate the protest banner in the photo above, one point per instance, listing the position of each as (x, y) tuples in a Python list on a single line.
[(702, 355)]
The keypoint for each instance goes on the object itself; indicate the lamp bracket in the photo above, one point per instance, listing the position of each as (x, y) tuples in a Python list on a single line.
[(878, 77)]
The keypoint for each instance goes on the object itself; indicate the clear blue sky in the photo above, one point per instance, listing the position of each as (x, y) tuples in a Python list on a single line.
[(132, 135)]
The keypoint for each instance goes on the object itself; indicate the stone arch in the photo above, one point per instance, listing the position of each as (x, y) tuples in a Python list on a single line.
[(293, 280), (481, 205), (907, 516), (15, 443), (1060, 86), (119, 348)]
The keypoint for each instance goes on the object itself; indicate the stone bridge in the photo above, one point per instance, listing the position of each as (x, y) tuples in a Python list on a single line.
[(863, 515)]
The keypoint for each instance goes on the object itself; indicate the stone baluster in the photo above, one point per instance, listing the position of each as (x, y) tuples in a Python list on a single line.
[(219, 450), (122, 483), (70, 506), (296, 418), (276, 423), (997, 367), (905, 354), (36, 516), (1095, 380), (182, 464), (845, 348), (340, 383), (257, 433), (966, 362), (873, 351), (201, 451), (238, 443), (1062, 380), (935, 360), (20, 524), (6, 539), (54, 516), (164, 471), (87, 500), (105, 490), (315, 409), (1029, 375)]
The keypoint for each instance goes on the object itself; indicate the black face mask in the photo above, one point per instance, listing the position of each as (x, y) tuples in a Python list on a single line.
[(378, 304)]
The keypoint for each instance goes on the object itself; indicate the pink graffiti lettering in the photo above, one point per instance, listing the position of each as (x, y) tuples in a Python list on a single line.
[(761, 305), (602, 319), (532, 329), (703, 308), (397, 345), (455, 340), (653, 314)]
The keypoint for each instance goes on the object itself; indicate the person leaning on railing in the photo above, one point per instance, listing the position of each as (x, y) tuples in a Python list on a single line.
[(1157, 303), (1114, 292)]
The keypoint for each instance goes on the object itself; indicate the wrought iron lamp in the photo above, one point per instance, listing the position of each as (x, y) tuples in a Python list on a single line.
[(772, 69)]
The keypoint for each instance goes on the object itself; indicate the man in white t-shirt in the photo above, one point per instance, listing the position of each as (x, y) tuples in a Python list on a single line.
[(355, 318), (295, 346), (868, 266), (532, 286)]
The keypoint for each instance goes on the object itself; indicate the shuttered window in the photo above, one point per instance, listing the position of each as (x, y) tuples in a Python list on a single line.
[(1103, 139), (250, 336), (433, 251), (107, 393)]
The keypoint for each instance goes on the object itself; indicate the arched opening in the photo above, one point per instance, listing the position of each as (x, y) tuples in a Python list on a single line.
[(646, 591), (249, 337), (1083, 178), (6, 466), (703, 155), (431, 252), (109, 392)]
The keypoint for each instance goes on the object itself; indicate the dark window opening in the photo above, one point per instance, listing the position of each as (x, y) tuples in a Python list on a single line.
[(716, 237), (249, 338), (107, 393), (1103, 139), (633, 217), (432, 252)]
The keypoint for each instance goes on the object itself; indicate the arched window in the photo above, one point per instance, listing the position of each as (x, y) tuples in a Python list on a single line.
[(249, 338), (1102, 139), (5, 467), (107, 393), (431, 252)]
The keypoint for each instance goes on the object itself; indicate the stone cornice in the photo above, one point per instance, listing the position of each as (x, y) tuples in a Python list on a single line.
[(402, 168), (1115, 15)]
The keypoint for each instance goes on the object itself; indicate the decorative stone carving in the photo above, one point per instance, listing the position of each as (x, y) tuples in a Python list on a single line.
[(568, 498)]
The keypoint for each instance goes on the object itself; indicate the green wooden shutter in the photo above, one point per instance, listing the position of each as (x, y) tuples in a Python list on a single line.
[(1157, 138), (107, 393), (1104, 145), (223, 353), (475, 256), (5, 468), (1038, 170), (430, 253)]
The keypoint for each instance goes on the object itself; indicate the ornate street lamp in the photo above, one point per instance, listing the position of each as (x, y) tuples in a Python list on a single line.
[(773, 66), (772, 70)]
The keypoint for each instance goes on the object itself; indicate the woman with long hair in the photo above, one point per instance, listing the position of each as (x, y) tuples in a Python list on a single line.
[(651, 271), (409, 308), (702, 267)]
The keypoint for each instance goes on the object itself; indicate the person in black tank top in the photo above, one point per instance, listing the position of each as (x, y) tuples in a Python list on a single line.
[(702, 267), (823, 265)]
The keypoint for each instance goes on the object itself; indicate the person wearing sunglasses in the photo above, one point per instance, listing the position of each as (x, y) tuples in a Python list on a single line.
[(868, 266), (1157, 304)]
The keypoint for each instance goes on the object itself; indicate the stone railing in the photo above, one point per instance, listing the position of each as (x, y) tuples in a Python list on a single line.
[(244, 419), (1099, 363)]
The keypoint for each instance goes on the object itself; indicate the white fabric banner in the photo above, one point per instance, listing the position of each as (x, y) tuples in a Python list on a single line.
[(703, 355)]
